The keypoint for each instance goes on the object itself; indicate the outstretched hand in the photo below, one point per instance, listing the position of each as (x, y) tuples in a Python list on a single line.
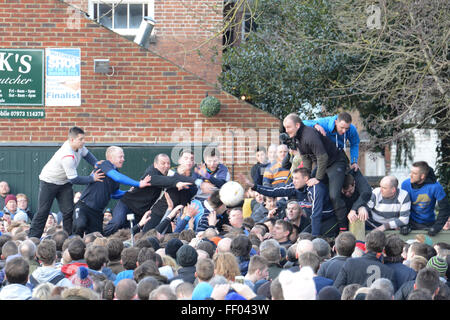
[(145, 218), (145, 182), (98, 175), (245, 181), (183, 185)]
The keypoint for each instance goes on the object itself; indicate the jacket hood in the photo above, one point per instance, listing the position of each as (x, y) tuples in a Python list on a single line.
[(331, 123), (15, 292), (45, 274)]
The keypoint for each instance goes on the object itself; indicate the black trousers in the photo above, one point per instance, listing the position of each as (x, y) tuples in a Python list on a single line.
[(47, 193), (86, 219)]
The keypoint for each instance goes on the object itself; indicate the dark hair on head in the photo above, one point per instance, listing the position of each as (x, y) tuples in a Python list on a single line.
[(214, 199), (159, 156), (241, 247), (345, 116), (211, 152), (60, 236), (76, 249), (423, 167), (183, 151), (394, 245), (75, 131), (16, 270), (260, 148), (345, 244), (305, 172), (287, 226), (262, 225), (375, 241), (428, 278), (349, 180), (115, 247)]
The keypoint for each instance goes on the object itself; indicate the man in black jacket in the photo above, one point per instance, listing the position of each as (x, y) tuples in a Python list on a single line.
[(314, 147), (139, 201), (357, 192), (368, 268)]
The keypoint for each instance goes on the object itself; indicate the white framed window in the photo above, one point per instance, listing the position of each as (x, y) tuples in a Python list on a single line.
[(121, 16)]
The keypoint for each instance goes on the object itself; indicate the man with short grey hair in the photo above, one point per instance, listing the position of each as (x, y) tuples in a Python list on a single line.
[(389, 206)]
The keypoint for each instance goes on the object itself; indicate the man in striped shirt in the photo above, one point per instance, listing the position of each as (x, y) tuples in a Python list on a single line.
[(275, 175), (389, 206)]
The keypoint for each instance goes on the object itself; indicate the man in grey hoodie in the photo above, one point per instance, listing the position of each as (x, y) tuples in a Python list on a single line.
[(16, 271), (46, 253)]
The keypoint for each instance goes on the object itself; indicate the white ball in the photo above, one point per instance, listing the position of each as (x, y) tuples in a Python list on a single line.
[(231, 194)]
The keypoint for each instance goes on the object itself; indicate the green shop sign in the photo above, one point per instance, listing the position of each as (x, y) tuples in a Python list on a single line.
[(21, 77)]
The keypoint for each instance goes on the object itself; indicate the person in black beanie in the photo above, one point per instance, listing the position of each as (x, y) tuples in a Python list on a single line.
[(187, 259), (172, 247)]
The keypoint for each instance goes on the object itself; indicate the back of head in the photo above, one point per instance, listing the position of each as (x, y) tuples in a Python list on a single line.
[(394, 246), (298, 285), (146, 286), (329, 293), (303, 246), (378, 294), (439, 264), (375, 241), (16, 270), (60, 236), (427, 279), (79, 293), (419, 249), (322, 248), (9, 248), (276, 291), (204, 269), (385, 285), (115, 247), (76, 249), (126, 289), (420, 294), (309, 259), (345, 244), (241, 246), (184, 291), (46, 252), (96, 257), (257, 263), (129, 258), (418, 263), (214, 199), (207, 246), (163, 292), (349, 291), (225, 264), (146, 254), (27, 249), (270, 249)]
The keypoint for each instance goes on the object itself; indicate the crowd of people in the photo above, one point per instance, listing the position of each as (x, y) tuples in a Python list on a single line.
[(172, 236)]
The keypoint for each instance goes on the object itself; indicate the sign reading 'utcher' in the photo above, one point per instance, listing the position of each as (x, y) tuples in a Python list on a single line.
[(21, 77)]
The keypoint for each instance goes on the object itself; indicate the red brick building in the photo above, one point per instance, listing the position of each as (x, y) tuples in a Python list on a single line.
[(148, 99)]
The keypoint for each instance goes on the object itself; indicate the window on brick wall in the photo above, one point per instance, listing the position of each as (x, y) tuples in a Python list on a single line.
[(121, 16)]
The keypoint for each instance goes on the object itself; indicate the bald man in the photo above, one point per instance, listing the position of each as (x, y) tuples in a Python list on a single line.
[(389, 206), (88, 211)]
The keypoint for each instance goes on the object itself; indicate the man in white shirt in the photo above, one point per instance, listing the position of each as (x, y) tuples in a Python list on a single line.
[(56, 181)]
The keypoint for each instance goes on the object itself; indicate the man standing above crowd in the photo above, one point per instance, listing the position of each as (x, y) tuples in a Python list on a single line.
[(56, 181), (138, 201), (425, 191), (339, 129), (314, 147), (89, 209)]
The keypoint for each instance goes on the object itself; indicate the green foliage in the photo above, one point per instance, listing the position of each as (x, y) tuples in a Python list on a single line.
[(210, 106), (278, 72)]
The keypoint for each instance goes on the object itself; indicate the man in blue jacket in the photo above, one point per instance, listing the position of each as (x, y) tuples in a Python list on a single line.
[(339, 129), (88, 211), (425, 192), (323, 219)]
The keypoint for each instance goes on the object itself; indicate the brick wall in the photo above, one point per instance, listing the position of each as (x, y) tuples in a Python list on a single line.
[(148, 99), (187, 33)]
